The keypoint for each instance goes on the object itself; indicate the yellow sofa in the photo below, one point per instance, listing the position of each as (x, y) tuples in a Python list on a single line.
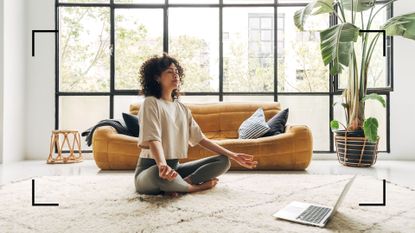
[(291, 150)]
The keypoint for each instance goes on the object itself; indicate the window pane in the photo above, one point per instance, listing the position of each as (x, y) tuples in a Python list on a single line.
[(248, 57), (300, 66), (80, 113), (250, 98), (294, 1), (140, 1), (372, 109), (247, 1), (194, 1), (195, 43), (199, 99), (122, 104), (377, 74), (84, 41), (85, 1), (138, 35), (312, 111)]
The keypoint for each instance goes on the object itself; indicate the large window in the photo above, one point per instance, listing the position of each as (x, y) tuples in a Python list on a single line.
[(232, 50)]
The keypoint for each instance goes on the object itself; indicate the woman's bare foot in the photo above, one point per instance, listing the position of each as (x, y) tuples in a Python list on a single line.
[(203, 186)]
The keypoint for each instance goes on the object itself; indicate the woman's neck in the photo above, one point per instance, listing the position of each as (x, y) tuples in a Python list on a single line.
[(167, 96)]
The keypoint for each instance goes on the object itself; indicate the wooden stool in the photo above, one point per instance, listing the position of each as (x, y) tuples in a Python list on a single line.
[(54, 142)]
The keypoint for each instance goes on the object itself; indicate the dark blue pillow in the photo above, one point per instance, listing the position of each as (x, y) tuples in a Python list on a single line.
[(131, 121), (277, 123)]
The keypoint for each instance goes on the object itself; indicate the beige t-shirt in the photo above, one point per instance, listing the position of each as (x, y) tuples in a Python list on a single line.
[(171, 123)]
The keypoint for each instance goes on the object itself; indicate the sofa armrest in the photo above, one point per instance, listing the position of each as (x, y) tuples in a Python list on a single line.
[(108, 132), (297, 141), (103, 138), (300, 141)]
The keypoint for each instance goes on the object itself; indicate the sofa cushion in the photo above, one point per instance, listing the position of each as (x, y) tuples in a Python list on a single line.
[(131, 121), (255, 126), (223, 119), (277, 123)]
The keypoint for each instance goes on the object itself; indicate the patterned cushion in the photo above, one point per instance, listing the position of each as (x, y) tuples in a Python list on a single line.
[(255, 126)]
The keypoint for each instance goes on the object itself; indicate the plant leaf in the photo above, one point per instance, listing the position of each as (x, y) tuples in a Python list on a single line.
[(358, 5), (375, 96), (344, 105), (403, 25), (313, 8), (370, 128), (334, 124), (336, 45)]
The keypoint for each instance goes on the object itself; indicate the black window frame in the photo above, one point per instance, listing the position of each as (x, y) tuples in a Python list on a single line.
[(333, 80)]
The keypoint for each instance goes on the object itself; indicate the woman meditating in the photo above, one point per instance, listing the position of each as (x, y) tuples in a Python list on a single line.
[(167, 128)]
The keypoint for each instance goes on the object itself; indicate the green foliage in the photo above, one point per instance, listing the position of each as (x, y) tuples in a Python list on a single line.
[(85, 64), (375, 96), (358, 5), (334, 125), (314, 74), (85, 52), (336, 45), (337, 49), (244, 75), (191, 52), (370, 127), (132, 46), (84, 60), (313, 8), (403, 25)]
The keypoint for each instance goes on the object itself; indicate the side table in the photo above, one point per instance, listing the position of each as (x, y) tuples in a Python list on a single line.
[(55, 143)]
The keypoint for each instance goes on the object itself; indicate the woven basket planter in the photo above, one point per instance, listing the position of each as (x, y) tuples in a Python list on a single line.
[(354, 150)]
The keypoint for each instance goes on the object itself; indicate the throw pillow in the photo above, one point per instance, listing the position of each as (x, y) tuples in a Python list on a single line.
[(255, 126), (131, 122), (277, 123)]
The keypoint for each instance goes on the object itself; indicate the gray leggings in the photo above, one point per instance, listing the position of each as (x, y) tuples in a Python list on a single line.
[(148, 181)]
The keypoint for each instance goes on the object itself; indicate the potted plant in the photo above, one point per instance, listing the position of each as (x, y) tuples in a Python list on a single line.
[(356, 143)]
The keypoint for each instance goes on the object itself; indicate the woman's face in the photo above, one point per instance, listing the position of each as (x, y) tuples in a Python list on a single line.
[(170, 79)]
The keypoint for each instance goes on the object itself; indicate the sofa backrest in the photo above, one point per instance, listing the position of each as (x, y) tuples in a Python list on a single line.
[(221, 120)]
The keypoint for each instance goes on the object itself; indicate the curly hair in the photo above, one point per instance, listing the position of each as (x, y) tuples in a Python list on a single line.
[(152, 68)]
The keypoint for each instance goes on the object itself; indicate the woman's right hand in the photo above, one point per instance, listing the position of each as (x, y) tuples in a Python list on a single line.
[(166, 172)]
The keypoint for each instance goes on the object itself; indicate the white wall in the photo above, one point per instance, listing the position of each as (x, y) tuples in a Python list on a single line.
[(402, 106), (1, 78), (40, 78), (14, 72), (40, 87)]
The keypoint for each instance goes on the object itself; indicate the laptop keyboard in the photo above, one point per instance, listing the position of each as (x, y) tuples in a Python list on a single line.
[(314, 214)]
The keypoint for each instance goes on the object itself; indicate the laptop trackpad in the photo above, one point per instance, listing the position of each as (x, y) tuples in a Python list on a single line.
[(293, 210)]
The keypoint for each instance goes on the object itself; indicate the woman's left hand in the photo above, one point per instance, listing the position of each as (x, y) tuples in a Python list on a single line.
[(245, 160)]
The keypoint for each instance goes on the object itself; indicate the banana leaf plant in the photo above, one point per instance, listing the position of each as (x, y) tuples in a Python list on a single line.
[(337, 45)]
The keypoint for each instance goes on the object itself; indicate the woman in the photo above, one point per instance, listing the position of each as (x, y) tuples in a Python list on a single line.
[(166, 128)]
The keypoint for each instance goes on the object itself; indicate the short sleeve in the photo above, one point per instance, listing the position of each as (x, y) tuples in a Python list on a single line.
[(149, 121), (195, 133)]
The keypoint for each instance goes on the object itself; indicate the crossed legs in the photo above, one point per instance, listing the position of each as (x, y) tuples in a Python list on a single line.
[(148, 181), (202, 170)]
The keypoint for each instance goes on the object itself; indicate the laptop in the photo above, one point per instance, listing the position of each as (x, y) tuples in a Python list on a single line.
[(311, 214)]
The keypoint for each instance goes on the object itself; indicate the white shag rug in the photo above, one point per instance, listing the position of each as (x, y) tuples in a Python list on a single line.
[(238, 203)]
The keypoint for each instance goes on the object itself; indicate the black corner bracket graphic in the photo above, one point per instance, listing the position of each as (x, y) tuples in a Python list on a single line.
[(33, 38), (384, 38), (378, 204), (39, 204)]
